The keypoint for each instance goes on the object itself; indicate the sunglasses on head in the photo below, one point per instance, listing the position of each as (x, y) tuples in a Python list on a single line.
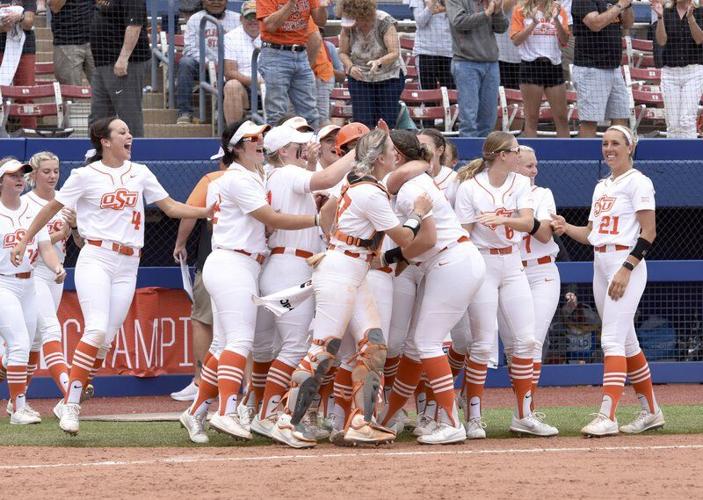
[(252, 138), (516, 149)]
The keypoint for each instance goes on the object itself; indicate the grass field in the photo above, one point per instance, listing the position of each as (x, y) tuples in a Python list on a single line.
[(680, 419)]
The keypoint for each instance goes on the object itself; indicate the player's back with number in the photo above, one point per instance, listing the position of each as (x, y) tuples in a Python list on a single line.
[(109, 202), (614, 208)]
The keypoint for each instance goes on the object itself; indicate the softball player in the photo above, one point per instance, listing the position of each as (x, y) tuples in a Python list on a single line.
[(18, 300), (44, 177), (341, 291), (496, 205), (289, 188), (621, 227), (452, 271), (444, 177), (538, 252), (239, 246), (108, 195)]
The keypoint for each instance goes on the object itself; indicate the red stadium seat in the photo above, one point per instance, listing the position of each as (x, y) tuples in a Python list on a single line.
[(8, 108)]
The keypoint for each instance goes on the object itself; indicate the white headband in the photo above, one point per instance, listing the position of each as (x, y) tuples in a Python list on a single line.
[(629, 137)]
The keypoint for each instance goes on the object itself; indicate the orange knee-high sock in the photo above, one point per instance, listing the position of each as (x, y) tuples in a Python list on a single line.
[(613, 383), (207, 388), (430, 410), (521, 373), (3, 370), (17, 384), (536, 372), (456, 361), (32, 365), (82, 364), (343, 386), (441, 383), (409, 372), (327, 392), (641, 380), (56, 364), (474, 383), (230, 372), (390, 370), (277, 384), (96, 366), (257, 385)]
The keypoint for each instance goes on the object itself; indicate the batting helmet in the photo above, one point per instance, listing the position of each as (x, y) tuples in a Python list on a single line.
[(348, 133)]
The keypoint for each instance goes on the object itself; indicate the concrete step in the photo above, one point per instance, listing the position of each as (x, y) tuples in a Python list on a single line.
[(43, 33), (153, 100), (45, 45), (40, 21), (152, 130), (160, 116), (45, 56)]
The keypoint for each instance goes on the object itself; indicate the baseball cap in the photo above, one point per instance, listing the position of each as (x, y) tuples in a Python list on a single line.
[(282, 136), (348, 22), (248, 7), (12, 166), (327, 130), (247, 129), (297, 122)]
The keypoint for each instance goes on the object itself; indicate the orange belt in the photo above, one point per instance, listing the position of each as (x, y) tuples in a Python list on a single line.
[(354, 241), (610, 248), (462, 239), (260, 258), (356, 255), (501, 251), (291, 251), (117, 247), (20, 276), (547, 259)]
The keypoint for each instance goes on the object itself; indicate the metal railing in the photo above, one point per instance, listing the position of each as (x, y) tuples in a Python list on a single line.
[(254, 104), (169, 59), (216, 90)]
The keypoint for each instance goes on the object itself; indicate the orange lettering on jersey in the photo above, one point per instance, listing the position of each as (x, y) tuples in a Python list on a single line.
[(119, 200), (54, 227), (268, 197), (11, 239), (603, 204), (501, 212)]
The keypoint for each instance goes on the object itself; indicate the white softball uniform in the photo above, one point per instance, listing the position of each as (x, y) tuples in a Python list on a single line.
[(542, 274), (48, 291), (505, 285), (231, 271), (18, 305), (453, 270), (447, 182), (288, 191), (109, 205), (615, 231)]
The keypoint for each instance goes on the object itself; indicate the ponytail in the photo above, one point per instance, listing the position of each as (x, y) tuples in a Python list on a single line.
[(472, 169)]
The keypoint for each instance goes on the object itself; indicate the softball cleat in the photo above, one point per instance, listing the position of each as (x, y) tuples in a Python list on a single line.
[(229, 424), (475, 428), (444, 434), (24, 416), (195, 425), (246, 414), (362, 432), (285, 432), (264, 427), (69, 422), (425, 426), (645, 421), (601, 426), (27, 408), (533, 425), (58, 409)]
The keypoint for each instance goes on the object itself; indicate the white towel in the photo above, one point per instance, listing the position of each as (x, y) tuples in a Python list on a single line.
[(286, 300), (13, 47)]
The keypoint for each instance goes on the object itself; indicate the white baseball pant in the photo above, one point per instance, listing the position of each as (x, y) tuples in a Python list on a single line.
[(231, 278), (618, 337), (291, 329), (48, 292), (105, 283), (506, 288), (405, 293), (18, 316)]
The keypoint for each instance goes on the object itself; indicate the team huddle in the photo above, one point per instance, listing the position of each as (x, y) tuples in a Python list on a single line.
[(341, 279)]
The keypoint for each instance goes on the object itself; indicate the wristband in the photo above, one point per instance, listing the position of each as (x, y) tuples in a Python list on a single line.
[(628, 265), (535, 228), (641, 249), (317, 220), (413, 223), (392, 256)]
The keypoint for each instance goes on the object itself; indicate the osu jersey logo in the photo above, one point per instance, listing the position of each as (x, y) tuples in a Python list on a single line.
[(11, 239), (603, 204), (120, 199), (501, 212)]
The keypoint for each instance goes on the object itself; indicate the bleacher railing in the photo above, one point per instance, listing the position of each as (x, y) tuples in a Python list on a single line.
[(216, 90), (168, 58)]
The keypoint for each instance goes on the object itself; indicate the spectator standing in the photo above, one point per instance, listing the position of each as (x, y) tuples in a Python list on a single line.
[(118, 42), (679, 33), (284, 63), (70, 26), (18, 47), (601, 93), (189, 64), (369, 48), (567, 51), (539, 29), (508, 54), (475, 64), (240, 44), (323, 70), (433, 44)]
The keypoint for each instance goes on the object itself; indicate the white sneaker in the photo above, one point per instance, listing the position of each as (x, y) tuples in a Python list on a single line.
[(69, 418), (195, 427), (425, 426), (27, 408), (229, 424), (444, 434), (25, 416), (58, 409), (246, 414), (475, 428), (643, 422), (188, 393), (284, 432), (600, 426), (312, 423), (264, 427), (533, 424)]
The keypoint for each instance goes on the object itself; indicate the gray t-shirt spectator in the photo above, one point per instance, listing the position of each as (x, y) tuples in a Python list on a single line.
[(473, 33)]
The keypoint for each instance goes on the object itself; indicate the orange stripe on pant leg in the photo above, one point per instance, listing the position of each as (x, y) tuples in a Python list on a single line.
[(259, 371), (456, 361), (277, 384), (207, 390), (32, 365), (82, 364), (614, 373), (408, 376), (16, 381), (230, 372), (641, 379), (474, 384), (441, 384), (390, 370), (521, 373), (56, 364)]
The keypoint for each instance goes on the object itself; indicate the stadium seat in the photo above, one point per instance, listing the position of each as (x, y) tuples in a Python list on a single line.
[(9, 109)]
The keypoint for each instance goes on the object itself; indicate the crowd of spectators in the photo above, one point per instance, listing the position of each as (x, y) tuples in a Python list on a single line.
[(543, 48)]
